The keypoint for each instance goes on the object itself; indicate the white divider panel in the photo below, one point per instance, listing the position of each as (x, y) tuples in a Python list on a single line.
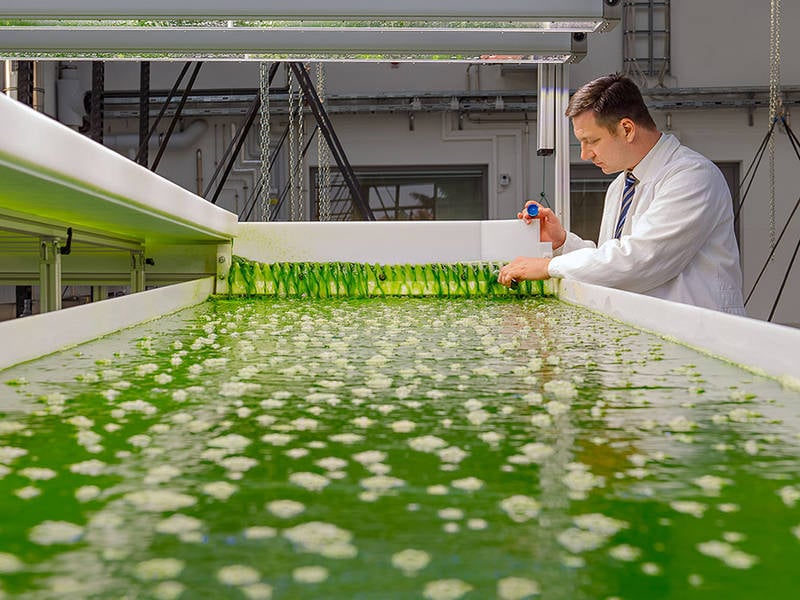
[(502, 241), (31, 337), (388, 242), (771, 348)]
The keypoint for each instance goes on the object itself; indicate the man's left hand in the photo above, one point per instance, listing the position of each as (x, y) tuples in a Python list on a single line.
[(524, 268)]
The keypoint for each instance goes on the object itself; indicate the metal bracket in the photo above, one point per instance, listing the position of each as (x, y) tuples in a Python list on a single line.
[(137, 271), (67, 248), (223, 268), (49, 274)]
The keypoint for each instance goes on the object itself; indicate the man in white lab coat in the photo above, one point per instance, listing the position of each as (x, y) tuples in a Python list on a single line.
[(667, 228)]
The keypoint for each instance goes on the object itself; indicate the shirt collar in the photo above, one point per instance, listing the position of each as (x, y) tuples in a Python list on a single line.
[(652, 161)]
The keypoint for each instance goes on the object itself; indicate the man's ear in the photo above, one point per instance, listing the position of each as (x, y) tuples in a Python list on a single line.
[(628, 128)]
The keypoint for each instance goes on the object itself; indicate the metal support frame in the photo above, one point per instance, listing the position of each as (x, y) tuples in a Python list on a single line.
[(96, 104), (24, 94), (318, 109), (144, 112), (143, 143), (646, 38), (176, 116), (25, 82), (137, 271), (49, 274), (224, 256), (98, 293), (230, 102), (562, 152)]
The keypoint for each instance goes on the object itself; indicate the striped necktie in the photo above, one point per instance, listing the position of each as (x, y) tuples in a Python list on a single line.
[(627, 198)]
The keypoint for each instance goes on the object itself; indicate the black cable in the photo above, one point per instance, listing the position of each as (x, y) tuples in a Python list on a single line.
[(792, 138), (143, 145), (761, 147), (783, 283), (168, 134), (756, 162), (795, 143), (769, 258)]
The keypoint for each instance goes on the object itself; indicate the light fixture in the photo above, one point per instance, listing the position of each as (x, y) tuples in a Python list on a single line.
[(326, 43), (553, 15)]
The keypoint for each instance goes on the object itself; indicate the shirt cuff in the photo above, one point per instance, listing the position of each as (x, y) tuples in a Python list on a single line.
[(552, 267)]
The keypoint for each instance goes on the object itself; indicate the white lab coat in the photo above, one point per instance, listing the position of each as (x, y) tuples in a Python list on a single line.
[(677, 242)]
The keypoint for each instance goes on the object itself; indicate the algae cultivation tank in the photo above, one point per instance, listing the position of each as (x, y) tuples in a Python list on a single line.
[(394, 447)]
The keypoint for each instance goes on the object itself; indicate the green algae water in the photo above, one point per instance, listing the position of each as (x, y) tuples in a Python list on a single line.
[(395, 448)]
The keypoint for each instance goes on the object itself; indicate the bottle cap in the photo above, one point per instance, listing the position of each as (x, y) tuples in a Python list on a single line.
[(533, 210)]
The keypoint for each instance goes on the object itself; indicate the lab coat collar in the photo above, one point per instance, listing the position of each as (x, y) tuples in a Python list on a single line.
[(653, 160)]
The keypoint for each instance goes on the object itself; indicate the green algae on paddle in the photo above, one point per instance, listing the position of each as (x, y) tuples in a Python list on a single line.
[(363, 280)]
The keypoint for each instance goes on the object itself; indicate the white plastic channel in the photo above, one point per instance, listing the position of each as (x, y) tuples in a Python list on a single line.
[(31, 337), (754, 344)]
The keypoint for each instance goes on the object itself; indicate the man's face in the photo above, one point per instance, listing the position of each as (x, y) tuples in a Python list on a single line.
[(607, 150)]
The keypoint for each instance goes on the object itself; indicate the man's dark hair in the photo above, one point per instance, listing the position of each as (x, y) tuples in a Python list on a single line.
[(611, 98)]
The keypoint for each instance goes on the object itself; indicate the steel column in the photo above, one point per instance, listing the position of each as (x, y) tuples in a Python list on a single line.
[(49, 274), (137, 271), (562, 156), (144, 112), (96, 103)]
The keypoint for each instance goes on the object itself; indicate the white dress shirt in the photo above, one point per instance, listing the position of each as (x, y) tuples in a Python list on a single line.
[(677, 242)]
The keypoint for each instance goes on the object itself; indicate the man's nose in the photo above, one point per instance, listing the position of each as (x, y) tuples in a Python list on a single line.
[(586, 154)]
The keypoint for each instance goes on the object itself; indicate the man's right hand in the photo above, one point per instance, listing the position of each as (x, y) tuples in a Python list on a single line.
[(550, 228)]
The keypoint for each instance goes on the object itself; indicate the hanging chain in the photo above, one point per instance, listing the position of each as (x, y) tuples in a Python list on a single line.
[(323, 157), (298, 178), (292, 151), (264, 117), (774, 103)]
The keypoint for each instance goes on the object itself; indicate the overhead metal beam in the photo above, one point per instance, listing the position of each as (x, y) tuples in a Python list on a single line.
[(596, 14), (289, 44)]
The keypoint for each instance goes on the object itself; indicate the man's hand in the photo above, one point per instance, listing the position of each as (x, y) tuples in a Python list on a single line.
[(524, 268), (550, 228)]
